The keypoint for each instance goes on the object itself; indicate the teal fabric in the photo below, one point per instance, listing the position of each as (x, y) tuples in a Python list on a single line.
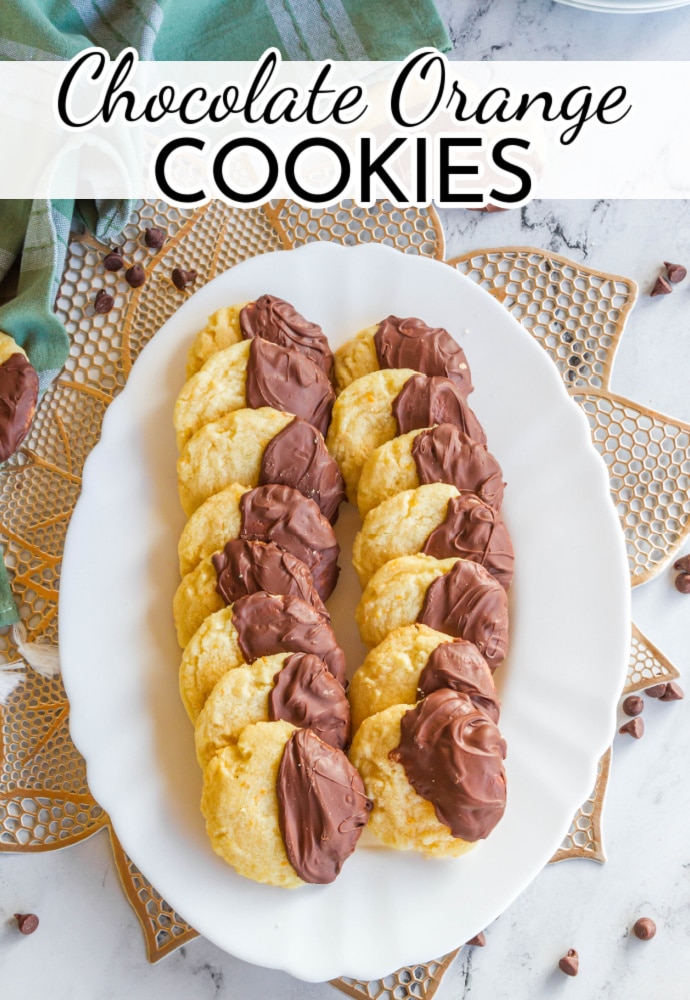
[(221, 29), (38, 231)]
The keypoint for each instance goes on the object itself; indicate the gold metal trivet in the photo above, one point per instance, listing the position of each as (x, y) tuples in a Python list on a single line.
[(418, 982), (583, 839), (576, 313)]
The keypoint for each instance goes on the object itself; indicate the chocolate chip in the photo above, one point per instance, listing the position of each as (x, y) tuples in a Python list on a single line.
[(633, 705), (661, 287), (154, 238), (644, 928), (26, 922), (478, 941), (135, 276), (682, 582), (669, 691), (113, 261), (673, 692), (183, 279), (656, 691), (634, 728), (675, 272), (103, 302), (682, 564), (570, 963)]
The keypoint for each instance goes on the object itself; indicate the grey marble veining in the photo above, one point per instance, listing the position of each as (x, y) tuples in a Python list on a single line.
[(89, 946), (541, 29)]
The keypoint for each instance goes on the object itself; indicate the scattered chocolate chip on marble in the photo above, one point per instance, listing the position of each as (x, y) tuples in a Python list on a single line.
[(675, 272), (669, 691), (661, 287), (673, 692), (135, 276), (644, 928), (633, 705), (182, 279), (682, 564), (114, 261), (103, 302), (682, 583), (26, 922), (634, 728), (154, 238), (479, 940), (570, 963)]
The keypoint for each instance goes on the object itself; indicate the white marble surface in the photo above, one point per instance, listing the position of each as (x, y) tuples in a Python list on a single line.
[(541, 29), (89, 946)]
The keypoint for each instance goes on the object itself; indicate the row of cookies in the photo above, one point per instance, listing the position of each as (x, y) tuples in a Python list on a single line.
[(435, 560), (262, 676)]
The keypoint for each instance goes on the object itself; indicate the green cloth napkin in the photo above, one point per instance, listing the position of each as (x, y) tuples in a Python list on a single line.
[(221, 30), (39, 232)]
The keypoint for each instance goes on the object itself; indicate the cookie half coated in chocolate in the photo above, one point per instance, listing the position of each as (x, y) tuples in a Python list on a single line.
[(411, 343), (248, 567), (267, 624), (287, 380), (277, 321), (297, 456), (322, 807), (453, 757), (474, 530), (444, 454), (283, 515), (18, 398), (468, 603), (426, 400)]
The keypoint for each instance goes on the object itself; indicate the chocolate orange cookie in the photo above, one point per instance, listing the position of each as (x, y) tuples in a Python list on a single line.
[(441, 454), (436, 520), (398, 342), (257, 625), (270, 318), (295, 687), (18, 395), (434, 773), (410, 663), (253, 373), (242, 567), (283, 807), (384, 404), (454, 596), (266, 513), (362, 420), (257, 447)]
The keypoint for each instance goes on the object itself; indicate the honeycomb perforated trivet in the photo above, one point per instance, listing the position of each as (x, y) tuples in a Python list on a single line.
[(575, 313)]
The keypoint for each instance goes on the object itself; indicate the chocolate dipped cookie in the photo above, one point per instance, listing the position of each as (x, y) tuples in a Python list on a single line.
[(274, 514), (18, 395), (455, 596), (268, 317), (441, 454), (436, 520), (242, 567), (253, 373), (434, 774), (283, 807), (378, 407), (398, 342), (295, 687), (410, 663), (254, 626), (266, 513)]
